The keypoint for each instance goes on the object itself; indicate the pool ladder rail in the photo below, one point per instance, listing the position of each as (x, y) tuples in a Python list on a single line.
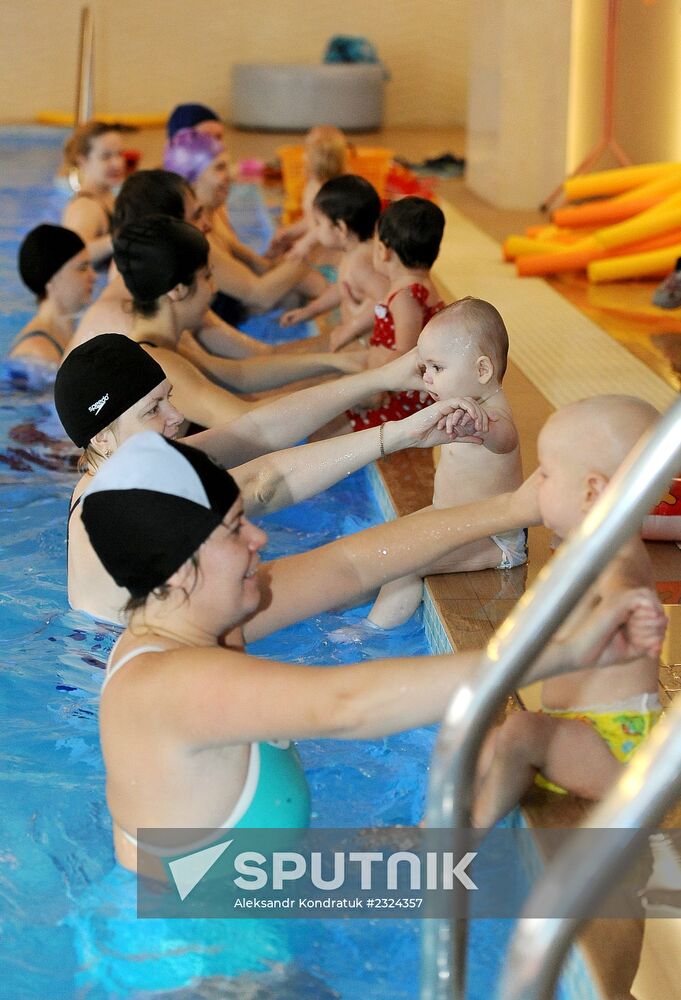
[(648, 786)]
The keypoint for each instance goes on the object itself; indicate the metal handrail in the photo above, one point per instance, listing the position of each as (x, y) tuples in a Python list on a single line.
[(84, 85), (561, 583), (647, 788)]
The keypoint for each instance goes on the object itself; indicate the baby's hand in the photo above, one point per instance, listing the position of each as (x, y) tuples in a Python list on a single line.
[(292, 317), (647, 623), (465, 419)]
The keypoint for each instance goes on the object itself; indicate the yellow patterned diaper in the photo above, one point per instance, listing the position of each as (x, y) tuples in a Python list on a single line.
[(622, 729)]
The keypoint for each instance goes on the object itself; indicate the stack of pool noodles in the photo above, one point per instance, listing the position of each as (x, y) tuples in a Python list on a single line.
[(627, 225)]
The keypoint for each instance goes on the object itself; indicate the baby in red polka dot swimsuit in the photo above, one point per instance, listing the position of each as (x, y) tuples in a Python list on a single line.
[(406, 245)]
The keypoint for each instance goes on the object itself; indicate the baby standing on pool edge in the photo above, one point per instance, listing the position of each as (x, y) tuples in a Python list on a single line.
[(463, 352)]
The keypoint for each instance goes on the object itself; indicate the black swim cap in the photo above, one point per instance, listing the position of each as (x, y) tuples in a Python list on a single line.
[(157, 253), (151, 506), (99, 381), (43, 252)]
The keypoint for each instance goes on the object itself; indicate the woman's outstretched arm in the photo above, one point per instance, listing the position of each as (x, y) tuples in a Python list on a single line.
[(280, 423), (271, 371), (294, 474), (231, 696), (298, 586)]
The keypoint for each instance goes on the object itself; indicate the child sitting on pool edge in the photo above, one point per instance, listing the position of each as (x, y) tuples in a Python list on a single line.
[(346, 210), (591, 721), (463, 352)]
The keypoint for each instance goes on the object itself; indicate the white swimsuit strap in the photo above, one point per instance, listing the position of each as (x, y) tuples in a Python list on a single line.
[(239, 810), (111, 670)]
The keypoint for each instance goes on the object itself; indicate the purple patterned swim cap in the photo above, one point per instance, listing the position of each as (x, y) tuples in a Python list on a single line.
[(189, 152)]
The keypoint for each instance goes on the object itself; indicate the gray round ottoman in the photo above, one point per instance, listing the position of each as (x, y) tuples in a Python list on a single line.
[(297, 97)]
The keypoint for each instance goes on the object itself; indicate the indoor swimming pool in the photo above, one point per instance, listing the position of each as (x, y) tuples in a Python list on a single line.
[(67, 916)]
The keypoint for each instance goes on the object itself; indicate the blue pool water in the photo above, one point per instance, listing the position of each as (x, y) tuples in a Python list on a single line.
[(67, 913)]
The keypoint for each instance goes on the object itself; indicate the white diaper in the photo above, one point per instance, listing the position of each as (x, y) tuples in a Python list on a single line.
[(513, 545)]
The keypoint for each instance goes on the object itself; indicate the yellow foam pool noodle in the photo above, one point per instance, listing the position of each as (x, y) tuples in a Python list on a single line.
[(520, 246), (607, 182), (654, 221), (638, 265)]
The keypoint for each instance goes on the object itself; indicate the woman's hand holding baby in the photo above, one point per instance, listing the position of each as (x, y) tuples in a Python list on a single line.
[(280, 243), (466, 420), (424, 429), (403, 373), (301, 248), (526, 500)]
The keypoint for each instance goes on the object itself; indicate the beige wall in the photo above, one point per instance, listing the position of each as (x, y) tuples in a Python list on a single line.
[(647, 114), (151, 54), (519, 75)]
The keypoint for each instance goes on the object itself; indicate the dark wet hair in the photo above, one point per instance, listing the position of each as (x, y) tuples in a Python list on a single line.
[(352, 200), (413, 228), (155, 254), (150, 192)]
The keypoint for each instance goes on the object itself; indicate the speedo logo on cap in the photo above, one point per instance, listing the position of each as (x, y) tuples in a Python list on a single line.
[(96, 407)]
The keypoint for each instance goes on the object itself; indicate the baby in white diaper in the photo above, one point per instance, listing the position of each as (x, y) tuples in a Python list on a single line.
[(463, 352)]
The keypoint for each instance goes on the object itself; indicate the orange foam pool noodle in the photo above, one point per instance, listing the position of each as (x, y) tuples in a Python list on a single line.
[(546, 231), (603, 213), (575, 258), (653, 243)]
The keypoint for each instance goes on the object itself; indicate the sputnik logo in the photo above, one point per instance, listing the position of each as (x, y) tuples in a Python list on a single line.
[(188, 871)]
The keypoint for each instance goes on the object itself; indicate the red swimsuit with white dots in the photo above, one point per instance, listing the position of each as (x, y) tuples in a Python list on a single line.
[(397, 404)]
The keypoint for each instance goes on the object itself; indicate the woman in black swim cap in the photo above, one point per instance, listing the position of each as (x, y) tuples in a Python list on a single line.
[(195, 732), (110, 388), (55, 265)]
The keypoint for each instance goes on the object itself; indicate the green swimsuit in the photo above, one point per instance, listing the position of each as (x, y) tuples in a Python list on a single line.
[(275, 793)]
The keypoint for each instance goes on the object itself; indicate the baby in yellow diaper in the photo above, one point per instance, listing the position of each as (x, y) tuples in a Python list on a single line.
[(592, 720)]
